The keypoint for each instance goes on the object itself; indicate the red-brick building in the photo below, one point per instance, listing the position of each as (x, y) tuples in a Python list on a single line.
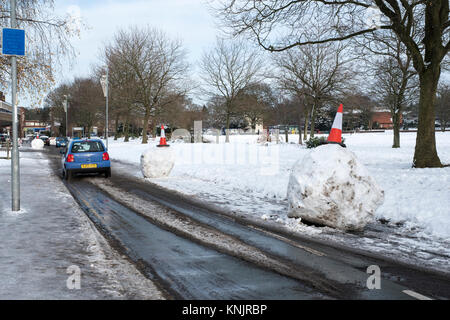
[(383, 120)]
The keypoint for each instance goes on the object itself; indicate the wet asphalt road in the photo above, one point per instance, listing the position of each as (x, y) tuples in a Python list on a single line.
[(187, 269)]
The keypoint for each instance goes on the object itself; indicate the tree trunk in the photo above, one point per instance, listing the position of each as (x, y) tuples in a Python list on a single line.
[(227, 139), (299, 131), (425, 154), (313, 121), (152, 127), (305, 129), (126, 128), (396, 143), (144, 130), (116, 133), (396, 122)]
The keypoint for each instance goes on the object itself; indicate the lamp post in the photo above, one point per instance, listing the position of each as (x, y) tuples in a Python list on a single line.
[(105, 84), (66, 107)]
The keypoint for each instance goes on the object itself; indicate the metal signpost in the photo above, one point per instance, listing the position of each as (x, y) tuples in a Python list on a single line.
[(105, 84), (13, 44), (66, 105)]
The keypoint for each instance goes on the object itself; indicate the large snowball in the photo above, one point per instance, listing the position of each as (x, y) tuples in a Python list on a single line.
[(157, 162), (37, 144), (331, 187)]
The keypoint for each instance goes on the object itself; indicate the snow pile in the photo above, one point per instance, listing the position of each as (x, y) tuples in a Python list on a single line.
[(413, 198), (262, 138), (331, 187), (157, 162), (37, 144)]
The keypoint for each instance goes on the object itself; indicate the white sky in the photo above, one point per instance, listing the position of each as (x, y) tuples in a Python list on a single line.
[(188, 20)]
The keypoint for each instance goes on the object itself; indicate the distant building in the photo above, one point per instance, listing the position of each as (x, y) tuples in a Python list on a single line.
[(383, 120), (6, 116), (33, 126)]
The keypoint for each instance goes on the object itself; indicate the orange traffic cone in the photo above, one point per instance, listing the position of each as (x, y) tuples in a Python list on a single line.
[(335, 135), (162, 140)]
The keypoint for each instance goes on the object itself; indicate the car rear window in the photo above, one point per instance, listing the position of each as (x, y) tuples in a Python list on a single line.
[(87, 146)]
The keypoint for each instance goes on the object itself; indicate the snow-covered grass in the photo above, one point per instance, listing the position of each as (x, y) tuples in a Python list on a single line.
[(253, 178)]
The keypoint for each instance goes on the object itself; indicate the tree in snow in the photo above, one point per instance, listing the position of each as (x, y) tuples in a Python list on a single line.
[(395, 86), (390, 63), (153, 64), (359, 109), (227, 70), (443, 105), (86, 104), (254, 101), (318, 72), (421, 26)]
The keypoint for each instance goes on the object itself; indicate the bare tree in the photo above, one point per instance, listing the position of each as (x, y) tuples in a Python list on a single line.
[(443, 105), (54, 101), (228, 69), (422, 26), (123, 91), (216, 116), (153, 63), (395, 87), (86, 103), (254, 101), (47, 39), (318, 72), (359, 109), (390, 63)]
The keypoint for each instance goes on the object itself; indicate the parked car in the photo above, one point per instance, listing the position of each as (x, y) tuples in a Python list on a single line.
[(3, 137), (61, 142), (45, 139), (84, 157), (52, 141)]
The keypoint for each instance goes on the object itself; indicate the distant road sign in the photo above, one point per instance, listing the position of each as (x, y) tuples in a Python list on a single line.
[(13, 42)]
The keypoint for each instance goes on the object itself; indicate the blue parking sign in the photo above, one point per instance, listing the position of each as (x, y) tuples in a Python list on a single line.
[(13, 42)]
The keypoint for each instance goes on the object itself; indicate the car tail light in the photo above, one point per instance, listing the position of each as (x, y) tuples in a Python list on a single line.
[(105, 156), (70, 158)]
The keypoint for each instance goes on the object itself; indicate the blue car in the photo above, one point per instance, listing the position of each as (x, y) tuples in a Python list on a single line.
[(61, 142), (85, 156)]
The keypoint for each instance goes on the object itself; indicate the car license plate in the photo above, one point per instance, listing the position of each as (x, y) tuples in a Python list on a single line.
[(88, 166)]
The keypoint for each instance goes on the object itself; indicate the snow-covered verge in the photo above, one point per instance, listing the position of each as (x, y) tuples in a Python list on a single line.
[(49, 236), (252, 178)]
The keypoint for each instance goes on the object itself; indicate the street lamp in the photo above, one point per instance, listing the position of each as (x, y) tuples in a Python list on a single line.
[(66, 106), (105, 84)]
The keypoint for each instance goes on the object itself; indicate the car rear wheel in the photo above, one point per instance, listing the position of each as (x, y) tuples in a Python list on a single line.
[(108, 173), (68, 175)]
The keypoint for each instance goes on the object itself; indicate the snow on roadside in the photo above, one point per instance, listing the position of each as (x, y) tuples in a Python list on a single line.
[(49, 235), (252, 178)]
